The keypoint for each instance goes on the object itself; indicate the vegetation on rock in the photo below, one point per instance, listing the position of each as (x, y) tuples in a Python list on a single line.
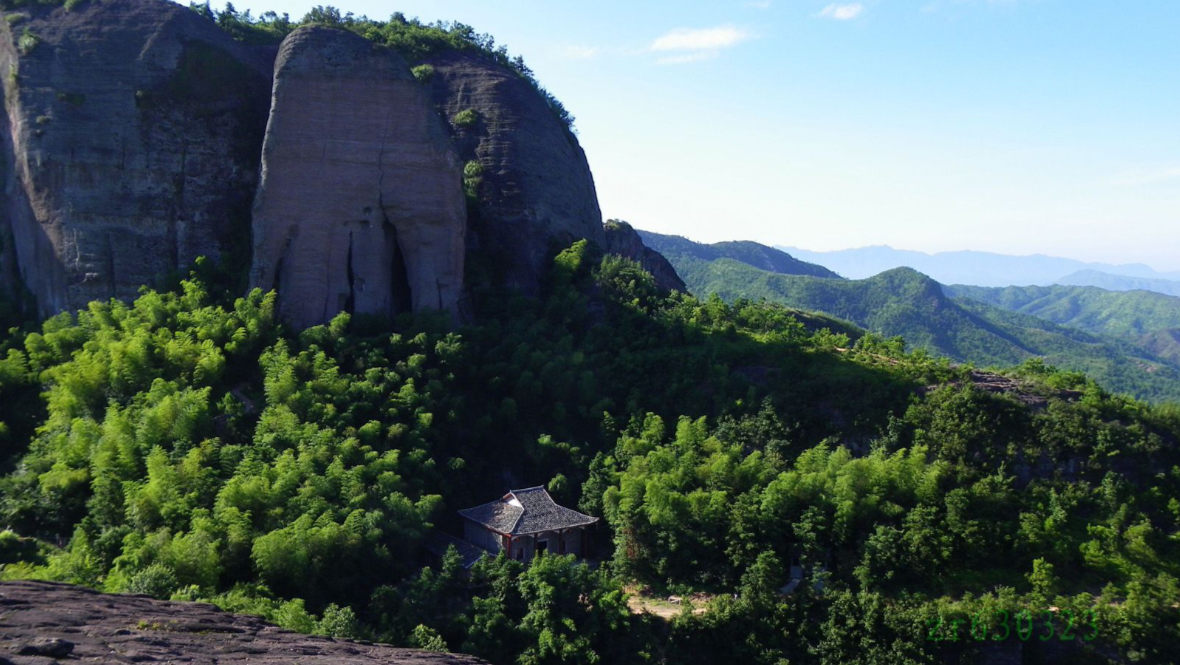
[(413, 39)]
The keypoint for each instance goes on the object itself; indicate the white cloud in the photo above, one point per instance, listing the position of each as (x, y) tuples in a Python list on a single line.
[(580, 52), (685, 45), (702, 39), (842, 12)]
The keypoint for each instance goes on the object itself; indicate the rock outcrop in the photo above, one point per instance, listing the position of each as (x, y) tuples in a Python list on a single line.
[(623, 240), (40, 621), (535, 191), (360, 206), (138, 135), (129, 146)]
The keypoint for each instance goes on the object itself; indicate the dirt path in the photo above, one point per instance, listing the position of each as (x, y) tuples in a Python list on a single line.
[(665, 607)]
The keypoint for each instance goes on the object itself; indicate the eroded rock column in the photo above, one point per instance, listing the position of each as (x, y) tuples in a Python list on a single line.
[(360, 206)]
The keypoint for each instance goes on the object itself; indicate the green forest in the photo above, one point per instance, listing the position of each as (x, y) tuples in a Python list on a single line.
[(828, 494), (188, 446)]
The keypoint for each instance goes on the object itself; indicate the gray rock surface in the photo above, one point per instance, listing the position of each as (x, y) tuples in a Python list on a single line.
[(360, 206), (623, 240), (129, 146), (42, 621), (536, 195)]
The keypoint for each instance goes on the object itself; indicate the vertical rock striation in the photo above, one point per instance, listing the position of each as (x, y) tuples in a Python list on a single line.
[(535, 192), (360, 207), (129, 145)]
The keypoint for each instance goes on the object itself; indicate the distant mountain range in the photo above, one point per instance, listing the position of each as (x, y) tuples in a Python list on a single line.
[(1128, 342), (990, 269), (1111, 282)]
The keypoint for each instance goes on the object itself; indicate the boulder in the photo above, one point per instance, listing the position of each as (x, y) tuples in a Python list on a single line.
[(535, 192), (129, 146), (621, 239), (360, 207)]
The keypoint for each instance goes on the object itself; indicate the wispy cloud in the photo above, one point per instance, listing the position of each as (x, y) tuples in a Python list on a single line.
[(580, 52), (842, 12), (694, 44)]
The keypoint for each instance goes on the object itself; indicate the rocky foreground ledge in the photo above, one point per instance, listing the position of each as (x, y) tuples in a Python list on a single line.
[(43, 623)]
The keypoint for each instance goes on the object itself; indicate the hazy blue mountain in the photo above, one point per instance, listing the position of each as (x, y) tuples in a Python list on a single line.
[(967, 267), (1113, 282), (757, 255)]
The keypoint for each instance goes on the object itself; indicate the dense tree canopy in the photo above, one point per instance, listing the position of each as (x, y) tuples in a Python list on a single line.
[(188, 446)]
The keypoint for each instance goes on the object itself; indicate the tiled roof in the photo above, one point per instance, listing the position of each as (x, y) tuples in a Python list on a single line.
[(525, 511)]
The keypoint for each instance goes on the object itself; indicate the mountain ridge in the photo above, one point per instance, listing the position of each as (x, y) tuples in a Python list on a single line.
[(907, 303), (747, 251)]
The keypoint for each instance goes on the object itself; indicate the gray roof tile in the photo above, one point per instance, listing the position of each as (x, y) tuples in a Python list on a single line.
[(525, 511)]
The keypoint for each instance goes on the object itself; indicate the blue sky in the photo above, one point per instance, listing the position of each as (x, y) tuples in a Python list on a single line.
[(1016, 126)]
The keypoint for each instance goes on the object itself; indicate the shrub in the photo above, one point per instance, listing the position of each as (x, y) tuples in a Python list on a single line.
[(426, 638), (27, 42), (423, 73), (157, 581), (465, 118), (472, 176), (339, 622)]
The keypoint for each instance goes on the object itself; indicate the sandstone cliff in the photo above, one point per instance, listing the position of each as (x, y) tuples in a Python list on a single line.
[(535, 191), (138, 136), (42, 622), (129, 146), (361, 205), (622, 239)]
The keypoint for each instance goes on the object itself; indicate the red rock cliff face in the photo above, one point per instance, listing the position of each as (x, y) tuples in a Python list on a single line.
[(128, 146), (536, 193), (360, 206)]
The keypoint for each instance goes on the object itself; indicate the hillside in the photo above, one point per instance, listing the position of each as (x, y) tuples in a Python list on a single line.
[(1145, 320), (903, 302), (682, 250), (1126, 314), (193, 449)]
